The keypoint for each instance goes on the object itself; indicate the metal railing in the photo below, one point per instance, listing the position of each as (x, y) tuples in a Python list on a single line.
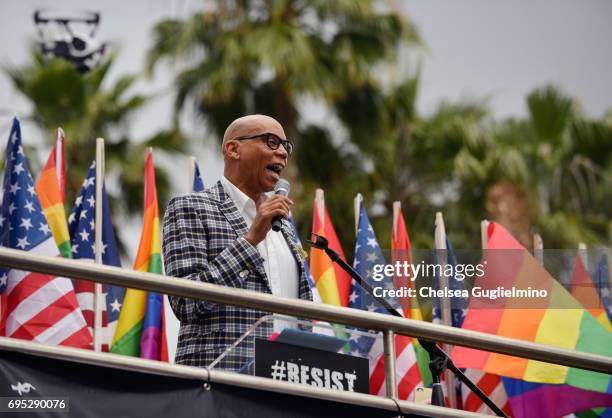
[(210, 377), (299, 308)]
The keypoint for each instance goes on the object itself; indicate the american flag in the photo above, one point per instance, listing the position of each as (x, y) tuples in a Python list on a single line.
[(490, 384), (458, 305), (33, 306), (601, 279), (81, 224), (368, 254)]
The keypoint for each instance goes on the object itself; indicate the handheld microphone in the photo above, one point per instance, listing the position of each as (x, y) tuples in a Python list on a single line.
[(282, 188)]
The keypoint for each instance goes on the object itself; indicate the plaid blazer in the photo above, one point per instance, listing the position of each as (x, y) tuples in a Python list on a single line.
[(203, 240)]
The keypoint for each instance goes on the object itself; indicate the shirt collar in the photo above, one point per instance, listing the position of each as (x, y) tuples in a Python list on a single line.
[(245, 204)]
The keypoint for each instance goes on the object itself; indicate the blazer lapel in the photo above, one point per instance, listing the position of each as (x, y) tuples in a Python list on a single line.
[(230, 211), (236, 220), (299, 255)]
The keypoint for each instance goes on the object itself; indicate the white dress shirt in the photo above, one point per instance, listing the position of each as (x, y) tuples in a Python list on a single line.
[(279, 263)]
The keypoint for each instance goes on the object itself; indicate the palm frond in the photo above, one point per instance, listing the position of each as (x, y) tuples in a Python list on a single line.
[(550, 112)]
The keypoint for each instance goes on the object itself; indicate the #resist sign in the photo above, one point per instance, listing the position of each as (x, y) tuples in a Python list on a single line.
[(295, 364)]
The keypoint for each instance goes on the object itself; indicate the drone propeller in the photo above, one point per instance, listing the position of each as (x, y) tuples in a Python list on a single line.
[(38, 19), (92, 19), (69, 42)]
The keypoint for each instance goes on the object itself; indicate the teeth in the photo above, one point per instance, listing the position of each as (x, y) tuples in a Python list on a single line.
[(276, 168)]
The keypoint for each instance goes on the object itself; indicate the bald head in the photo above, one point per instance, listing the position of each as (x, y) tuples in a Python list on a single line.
[(251, 125), (252, 164)]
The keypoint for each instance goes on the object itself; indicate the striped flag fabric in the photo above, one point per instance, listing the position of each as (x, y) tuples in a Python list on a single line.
[(568, 326), (141, 327), (33, 306), (401, 252), (490, 384), (603, 285), (319, 327), (533, 400), (198, 183), (493, 386), (333, 283), (584, 289), (50, 190), (368, 254), (81, 223), (458, 305), (536, 400)]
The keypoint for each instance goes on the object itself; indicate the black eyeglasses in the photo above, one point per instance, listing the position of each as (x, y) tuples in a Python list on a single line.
[(272, 141)]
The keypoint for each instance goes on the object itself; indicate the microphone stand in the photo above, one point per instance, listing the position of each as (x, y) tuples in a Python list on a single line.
[(439, 360)]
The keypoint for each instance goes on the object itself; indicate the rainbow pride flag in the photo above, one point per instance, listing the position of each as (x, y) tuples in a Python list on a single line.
[(558, 320), (536, 400), (50, 190), (141, 329), (400, 251), (333, 283)]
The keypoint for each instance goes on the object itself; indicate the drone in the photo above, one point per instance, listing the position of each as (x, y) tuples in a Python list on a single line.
[(58, 39)]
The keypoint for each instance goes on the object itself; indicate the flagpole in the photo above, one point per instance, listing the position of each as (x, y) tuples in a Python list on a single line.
[(538, 249), (484, 237), (582, 251), (357, 204), (609, 259), (320, 204), (445, 305), (98, 293), (60, 164), (192, 163), (397, 207)]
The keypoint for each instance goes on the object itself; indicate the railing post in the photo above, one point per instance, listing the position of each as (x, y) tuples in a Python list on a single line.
[(390, 377)]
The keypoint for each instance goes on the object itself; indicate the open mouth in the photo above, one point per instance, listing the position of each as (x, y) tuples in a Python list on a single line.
[(276, 168)]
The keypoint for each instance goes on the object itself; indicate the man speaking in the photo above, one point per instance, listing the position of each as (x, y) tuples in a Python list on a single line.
[(224, 236)]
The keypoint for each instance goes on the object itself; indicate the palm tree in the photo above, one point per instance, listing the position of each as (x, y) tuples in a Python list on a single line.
[(408, 157), (575, 153), (267, 57), (549, 172), (495, 180), (86, 109), (263, 57)]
